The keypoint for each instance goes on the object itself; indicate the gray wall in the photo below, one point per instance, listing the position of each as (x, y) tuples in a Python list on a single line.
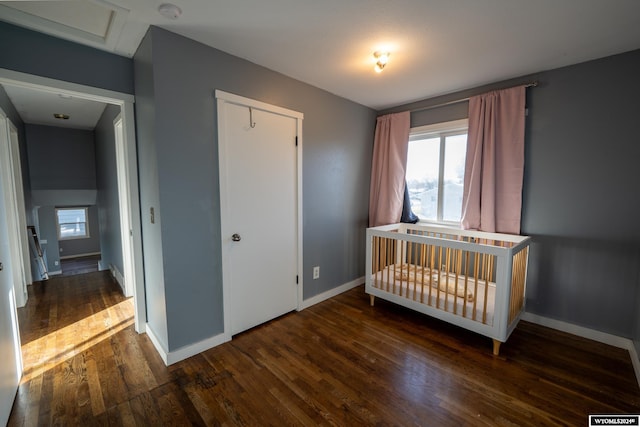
[(35, 53), (107, 186), (149, 194), (579, 197), (49, 237), (63, 173), (177, 136), (581, 178), (61, 158)]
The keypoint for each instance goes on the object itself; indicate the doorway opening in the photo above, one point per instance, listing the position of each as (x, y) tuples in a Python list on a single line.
[(126, 161)]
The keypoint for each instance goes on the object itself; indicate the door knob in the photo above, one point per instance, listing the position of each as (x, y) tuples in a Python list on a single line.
[(235, 237)]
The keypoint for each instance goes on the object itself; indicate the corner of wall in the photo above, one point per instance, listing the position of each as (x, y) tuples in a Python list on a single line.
[(115, 273), (171, 357), (603, 337)]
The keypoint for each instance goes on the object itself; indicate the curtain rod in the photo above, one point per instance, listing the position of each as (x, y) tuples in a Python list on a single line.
[(457, 101)]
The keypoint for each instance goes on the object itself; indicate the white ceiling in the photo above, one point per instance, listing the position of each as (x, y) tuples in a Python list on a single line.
[(437, 46), (38, 107)]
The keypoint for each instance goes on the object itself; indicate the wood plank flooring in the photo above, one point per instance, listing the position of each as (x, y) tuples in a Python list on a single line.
[(340, 362), (79, 265)]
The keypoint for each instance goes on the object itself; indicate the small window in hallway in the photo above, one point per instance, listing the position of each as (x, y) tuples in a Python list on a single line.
[(72, 223)]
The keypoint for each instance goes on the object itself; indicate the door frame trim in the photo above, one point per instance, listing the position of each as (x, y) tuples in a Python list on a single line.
[(13, 211), (16, 160), (223, 98), (122, 178), (126, 103)]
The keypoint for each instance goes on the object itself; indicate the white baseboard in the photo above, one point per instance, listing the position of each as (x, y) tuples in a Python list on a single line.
[(197, 348), (175, 356), (171, 357), (118, 276), (330, 293), (635, 360), (156, 343), (581, 331)]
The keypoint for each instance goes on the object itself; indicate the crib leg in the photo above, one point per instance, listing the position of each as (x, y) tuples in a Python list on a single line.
[(496, 347), (372, 298)]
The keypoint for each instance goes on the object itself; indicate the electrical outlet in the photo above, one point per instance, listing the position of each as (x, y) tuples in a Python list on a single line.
[(56, 262), (316, 272)]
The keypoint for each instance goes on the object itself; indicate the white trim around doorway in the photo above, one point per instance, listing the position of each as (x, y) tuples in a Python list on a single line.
[(126, 103)]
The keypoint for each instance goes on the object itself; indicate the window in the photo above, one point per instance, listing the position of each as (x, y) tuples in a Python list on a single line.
[(72, 223), (435, 170)]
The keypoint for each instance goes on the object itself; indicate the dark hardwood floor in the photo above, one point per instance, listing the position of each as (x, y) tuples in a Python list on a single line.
[(340, 362), (79, 265)]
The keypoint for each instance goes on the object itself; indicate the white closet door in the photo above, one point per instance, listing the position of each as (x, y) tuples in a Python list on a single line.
[(259, 198)]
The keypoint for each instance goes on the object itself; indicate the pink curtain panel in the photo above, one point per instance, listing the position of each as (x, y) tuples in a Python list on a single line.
[(390, 147), (492, 198)]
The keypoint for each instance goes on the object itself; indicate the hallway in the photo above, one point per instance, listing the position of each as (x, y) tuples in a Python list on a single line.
[(65, 329), (79, 265)]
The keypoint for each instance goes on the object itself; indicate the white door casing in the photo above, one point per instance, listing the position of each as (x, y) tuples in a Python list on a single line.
[(11, 203), (11, 365), (125, 213), (260, 170), (125, 102), (21, 300)]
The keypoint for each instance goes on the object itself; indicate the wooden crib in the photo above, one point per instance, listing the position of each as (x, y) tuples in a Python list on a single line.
[(472, 279)]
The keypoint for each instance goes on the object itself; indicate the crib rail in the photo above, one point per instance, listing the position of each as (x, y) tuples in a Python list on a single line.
[(474, 279), (453, 280)]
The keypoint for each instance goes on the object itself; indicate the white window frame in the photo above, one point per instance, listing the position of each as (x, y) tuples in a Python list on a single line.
[(440, 130), (86, 223)]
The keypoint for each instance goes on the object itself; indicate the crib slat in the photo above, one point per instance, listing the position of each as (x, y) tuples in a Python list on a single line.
[(466, 283), (431, 271), (439, 269), (423, 257), (458, 263), (409, 262), (486, 287), (514, 287), (387, 249), (395, 260), (476, 272), (375, 261), (446, 278)]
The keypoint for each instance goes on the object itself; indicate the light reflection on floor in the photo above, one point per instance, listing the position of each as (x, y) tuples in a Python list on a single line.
[(46, 352)]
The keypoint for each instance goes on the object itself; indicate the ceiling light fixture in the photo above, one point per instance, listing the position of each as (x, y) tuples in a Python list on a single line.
[(61, 116), (169, 11), (381, 60)]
